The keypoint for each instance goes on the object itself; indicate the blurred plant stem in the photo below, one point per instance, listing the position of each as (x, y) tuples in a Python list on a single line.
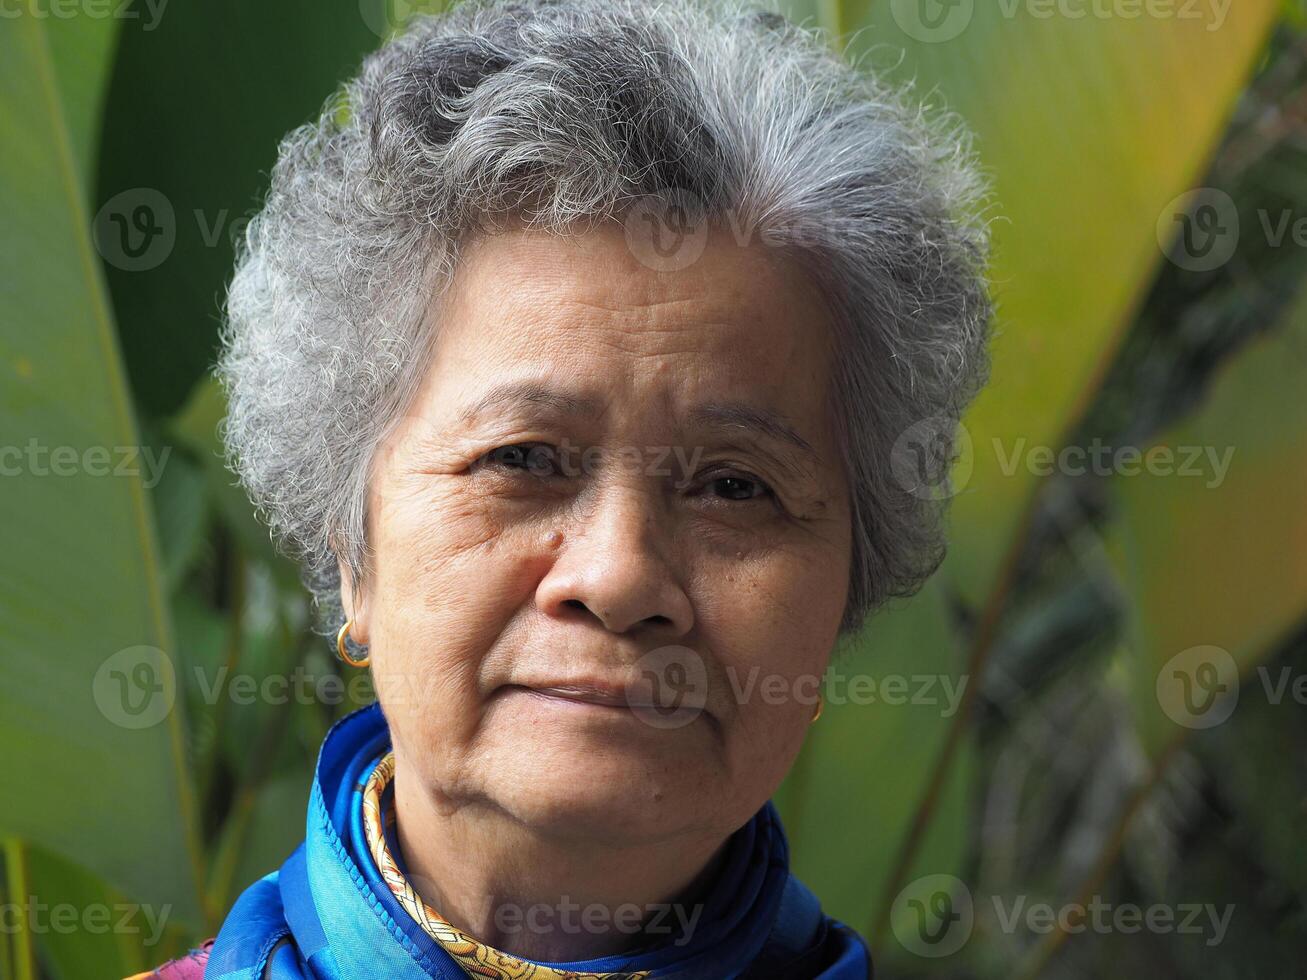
[(22, 954), (236, 827), (236, 586), (984, 636), (6, 953)]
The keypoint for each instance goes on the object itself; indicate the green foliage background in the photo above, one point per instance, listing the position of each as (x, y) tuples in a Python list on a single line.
[(1062, 600)]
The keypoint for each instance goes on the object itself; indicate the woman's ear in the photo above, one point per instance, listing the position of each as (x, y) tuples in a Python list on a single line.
[(354, 600)]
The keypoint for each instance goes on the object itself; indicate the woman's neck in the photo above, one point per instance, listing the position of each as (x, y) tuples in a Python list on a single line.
[(546, 897)]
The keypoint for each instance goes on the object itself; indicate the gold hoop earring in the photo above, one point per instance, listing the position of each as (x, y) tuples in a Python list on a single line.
[(340, 647), (821, 706)]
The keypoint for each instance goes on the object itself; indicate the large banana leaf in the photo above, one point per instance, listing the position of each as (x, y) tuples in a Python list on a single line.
[(82, 50), (1215, 553), (83, 631), (1088, 127), (98, 949), (239, 75)]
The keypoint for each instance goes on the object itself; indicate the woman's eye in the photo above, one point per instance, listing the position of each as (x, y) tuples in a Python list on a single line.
[(738, 488), (537, 459), (542, 460)]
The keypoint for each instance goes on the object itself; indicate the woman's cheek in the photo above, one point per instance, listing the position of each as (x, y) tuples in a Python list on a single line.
[(771, 625), (768, 735)]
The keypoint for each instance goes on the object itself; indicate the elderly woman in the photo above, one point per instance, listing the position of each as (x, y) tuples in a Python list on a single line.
[(569, 353)]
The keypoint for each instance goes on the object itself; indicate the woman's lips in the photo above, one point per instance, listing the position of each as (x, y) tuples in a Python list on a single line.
[(633, 700), (604, 697)]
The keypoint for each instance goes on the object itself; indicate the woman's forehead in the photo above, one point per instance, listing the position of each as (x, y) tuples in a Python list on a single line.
[(586, 303)]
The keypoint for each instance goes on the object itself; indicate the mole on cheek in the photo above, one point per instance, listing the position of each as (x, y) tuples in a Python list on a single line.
[(554, 538)]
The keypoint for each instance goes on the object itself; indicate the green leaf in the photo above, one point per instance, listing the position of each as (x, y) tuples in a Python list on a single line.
[(82, 610), (82, 49), (1217, 561), (181, 511), (90, 929), (196, 428), (238, 76), (1090, 128)]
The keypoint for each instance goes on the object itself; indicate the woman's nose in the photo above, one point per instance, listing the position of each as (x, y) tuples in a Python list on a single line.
[(616, 563)]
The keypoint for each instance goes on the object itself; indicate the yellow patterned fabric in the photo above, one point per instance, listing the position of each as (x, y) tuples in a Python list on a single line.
[(476, 958)]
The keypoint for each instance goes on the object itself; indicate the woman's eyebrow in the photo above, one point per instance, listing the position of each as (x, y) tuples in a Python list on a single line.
[(759, 422), (533, 392)]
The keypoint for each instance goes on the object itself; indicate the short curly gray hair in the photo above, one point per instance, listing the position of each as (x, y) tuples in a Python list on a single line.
[(565, 111)]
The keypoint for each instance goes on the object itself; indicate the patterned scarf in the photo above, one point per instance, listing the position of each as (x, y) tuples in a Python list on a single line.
[(331, 912)]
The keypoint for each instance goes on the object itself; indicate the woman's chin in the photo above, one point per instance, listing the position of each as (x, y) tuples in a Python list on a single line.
[(614, 791), (616, 815)]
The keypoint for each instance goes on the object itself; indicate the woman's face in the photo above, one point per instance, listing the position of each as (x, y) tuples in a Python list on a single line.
[(611, 538)]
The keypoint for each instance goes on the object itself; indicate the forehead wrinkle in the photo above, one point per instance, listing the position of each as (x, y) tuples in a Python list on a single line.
[(687, 325)]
